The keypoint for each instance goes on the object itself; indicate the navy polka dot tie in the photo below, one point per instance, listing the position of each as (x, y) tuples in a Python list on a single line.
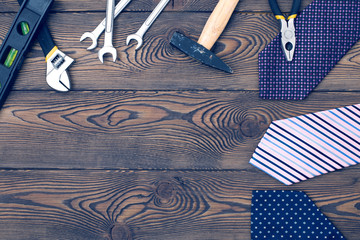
[(325, 31), (288, 215)]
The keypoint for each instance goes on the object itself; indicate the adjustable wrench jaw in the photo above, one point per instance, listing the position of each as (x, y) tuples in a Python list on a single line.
[(56, 75)]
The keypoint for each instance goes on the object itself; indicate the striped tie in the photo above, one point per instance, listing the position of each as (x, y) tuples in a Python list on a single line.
[(299, 148)]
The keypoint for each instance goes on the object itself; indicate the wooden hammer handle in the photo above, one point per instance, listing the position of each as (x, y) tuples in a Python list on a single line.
[(216, 23)]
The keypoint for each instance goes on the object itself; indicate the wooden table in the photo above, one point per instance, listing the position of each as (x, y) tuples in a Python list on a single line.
[(156, 145)]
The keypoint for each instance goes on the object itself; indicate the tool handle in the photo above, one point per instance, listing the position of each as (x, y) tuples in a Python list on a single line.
[(217, 22), (275, 9), (295, 7), (44, 37), (152, 17), (155, 13), (118, 9), (109, 22), (277, 12)]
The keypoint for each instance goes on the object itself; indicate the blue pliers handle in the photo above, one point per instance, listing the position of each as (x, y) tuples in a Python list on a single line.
[(279, 15), (288, 39)]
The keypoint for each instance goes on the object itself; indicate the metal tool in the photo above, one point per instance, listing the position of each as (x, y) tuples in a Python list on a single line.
[(57, 61), (138, 36), (288, 39), (213, 28), (108, 45), (17, 42), (94, 35), (56, 75)]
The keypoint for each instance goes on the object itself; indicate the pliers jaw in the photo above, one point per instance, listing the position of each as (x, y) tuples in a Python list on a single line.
[(288, 39), (56, 75)]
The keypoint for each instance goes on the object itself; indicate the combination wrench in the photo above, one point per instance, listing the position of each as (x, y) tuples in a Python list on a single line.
[(138, 36), (108, 45), (94, 35)]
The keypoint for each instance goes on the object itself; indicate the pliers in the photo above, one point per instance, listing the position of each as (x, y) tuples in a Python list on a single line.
[(57, 61), (288, 39)]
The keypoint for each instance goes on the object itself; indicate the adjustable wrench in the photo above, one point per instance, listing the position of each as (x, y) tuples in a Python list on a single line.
[(138, 36), (94, 35), (57, 62)]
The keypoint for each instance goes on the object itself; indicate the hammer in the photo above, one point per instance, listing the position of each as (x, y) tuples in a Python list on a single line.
[(214, 26)]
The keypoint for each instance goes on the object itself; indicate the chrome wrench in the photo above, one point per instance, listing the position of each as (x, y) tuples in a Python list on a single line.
[(94, 35), (138, 36), (108, 45)]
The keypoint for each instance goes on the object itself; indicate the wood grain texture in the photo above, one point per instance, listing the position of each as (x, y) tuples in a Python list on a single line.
[(156, 205), (147, 130), (167, 67), (149, 5), (72, 165)]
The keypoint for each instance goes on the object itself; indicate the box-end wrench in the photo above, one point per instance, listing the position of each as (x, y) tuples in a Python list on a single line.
[(94, 35), (108, 45), (138, 36)]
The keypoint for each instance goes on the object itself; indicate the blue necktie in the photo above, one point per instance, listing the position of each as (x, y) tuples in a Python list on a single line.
[(325, 31), (289, 215)]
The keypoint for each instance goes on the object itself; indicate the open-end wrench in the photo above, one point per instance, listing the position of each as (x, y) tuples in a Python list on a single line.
[(108, 45), (138, 36), (94, 35)]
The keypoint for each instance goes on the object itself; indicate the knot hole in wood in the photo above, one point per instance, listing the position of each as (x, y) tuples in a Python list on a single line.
[(253, 126), (164, 194), (120, 231)]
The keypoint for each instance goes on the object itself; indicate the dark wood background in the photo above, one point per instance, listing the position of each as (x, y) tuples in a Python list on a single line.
[(156, 145)]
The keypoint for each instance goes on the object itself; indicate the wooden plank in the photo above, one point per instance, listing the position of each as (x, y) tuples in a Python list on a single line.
[(156, 205), (149, 5), (146, 130), (167, 67)]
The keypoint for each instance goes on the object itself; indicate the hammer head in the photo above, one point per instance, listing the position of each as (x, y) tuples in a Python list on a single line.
[(197, 51)]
